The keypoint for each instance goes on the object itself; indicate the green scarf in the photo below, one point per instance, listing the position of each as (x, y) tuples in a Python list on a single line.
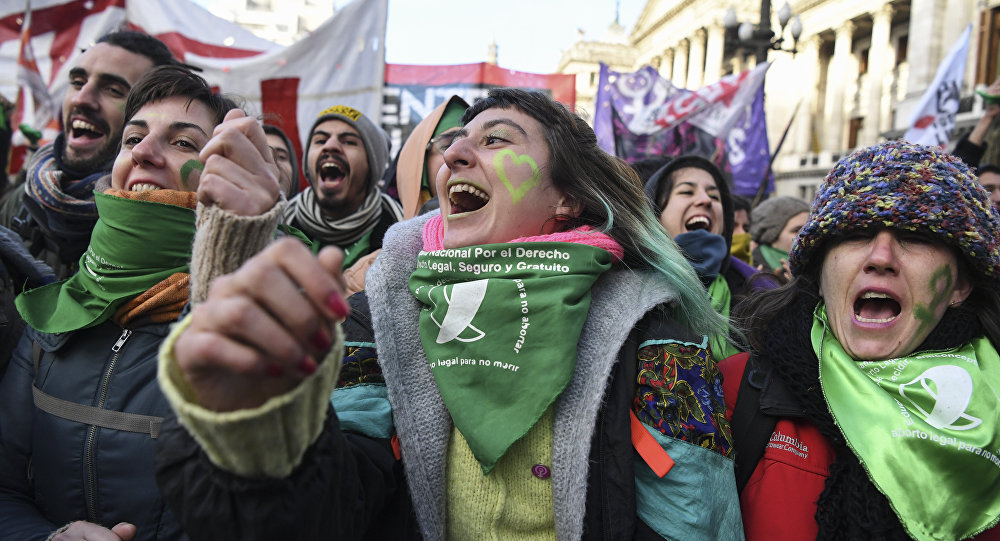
[(935, 456), (721, 298), (773, 256), (500, 327), (135, 245)]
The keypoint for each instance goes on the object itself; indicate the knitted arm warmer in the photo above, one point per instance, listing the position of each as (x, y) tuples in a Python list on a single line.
[(268, 441), (224, 241)]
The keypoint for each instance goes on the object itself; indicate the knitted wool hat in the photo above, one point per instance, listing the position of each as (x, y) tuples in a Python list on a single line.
[(904, 186), (374, 137), (768, 219)]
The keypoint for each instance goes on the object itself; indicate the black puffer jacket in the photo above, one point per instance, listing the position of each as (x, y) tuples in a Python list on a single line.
[(53, 470)]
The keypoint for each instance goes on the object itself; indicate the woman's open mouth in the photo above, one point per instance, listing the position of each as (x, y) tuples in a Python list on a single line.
[(465, 198), (698, 222), (876, 307)]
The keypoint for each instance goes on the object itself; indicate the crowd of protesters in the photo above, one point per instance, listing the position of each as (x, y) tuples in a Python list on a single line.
[(502, 333)]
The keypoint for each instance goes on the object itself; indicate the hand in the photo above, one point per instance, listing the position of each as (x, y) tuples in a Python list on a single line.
[(785, 272), (262, 328), (240, 175), (80, 531)]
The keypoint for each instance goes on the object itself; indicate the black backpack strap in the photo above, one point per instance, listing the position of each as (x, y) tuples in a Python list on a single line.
[(752, 429)]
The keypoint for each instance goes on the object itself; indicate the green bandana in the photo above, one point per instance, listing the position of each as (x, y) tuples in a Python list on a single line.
[(721, 298), (773, 256), (357, 250), (924, 427), (500, 328), (135, 245)]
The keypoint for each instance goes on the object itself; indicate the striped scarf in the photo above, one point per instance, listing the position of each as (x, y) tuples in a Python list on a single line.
[(54, 190), (304, 213)]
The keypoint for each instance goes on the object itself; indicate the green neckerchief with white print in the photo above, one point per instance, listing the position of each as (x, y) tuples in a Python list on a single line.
[(500, 328), (924, 426)]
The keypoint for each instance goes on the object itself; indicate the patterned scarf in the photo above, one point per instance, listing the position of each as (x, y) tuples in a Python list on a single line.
[(59, 191), (304, 213)]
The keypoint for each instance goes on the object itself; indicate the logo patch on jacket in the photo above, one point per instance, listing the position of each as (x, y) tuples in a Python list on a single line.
[(782, 442)]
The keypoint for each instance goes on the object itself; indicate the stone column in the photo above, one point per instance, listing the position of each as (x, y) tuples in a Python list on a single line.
[(714, 50), (925, 49), (878, 60), (696, 60), (806, 65), (839, 72), (679, 75), (667, 66)]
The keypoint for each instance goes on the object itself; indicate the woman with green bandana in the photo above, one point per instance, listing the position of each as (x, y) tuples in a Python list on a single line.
[(80, 408), (774, 225), (870, 407), (692, 199), (530, 362)]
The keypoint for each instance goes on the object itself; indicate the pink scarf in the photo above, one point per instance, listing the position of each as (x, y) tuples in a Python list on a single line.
[(434, 238)]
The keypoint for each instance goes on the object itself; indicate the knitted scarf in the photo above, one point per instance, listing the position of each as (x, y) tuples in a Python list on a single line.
[(58, 189), (850, 506), (304, 213)]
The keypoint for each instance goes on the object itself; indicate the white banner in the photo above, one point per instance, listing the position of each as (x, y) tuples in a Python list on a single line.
[(341, 62), (715, 107), (934, 117)]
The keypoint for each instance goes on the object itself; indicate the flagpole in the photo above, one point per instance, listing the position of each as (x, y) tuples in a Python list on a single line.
[(770, 163)]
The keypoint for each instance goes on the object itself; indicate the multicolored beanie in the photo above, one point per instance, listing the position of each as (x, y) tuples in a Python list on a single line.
[(901, 185)]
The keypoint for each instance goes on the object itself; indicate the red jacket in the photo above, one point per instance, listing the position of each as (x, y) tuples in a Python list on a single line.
[(779, 500)]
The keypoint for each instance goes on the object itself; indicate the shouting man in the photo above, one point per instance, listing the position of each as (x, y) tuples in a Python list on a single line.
[(345, 157), (54, 212)]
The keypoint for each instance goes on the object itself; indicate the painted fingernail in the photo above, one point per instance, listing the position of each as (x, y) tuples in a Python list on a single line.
[(307, 365), (321, 340), (273, 370), (338, 305)]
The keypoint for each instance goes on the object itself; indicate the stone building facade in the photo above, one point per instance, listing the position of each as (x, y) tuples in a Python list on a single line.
[(859, 69)]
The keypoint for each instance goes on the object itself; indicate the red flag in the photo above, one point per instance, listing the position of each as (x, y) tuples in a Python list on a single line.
[(42, 111)]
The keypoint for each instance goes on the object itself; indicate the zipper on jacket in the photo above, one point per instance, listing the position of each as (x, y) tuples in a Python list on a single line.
[(89, 458)]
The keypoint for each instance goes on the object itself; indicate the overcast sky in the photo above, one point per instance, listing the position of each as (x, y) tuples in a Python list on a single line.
[(530, 34)]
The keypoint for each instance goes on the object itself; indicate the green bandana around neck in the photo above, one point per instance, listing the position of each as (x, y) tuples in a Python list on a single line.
[(135, 245), (500, 328), (773, 256), (924, 427), (721, 298)]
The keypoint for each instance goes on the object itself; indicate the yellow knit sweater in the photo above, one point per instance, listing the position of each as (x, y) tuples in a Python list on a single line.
[(509, 504)]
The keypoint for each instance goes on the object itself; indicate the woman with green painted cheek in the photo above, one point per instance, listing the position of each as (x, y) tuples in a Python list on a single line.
[(873, 377), (507, 349), (160, 146), (885, 291), (80, 404)]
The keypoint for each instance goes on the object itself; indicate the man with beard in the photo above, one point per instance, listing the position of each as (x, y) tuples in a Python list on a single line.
[(345, 157), (47, 220), (54, 211)]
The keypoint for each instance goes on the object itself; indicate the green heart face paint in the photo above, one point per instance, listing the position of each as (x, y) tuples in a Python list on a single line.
[(498, 188), (187, 168), (940, 286), (526, 184)]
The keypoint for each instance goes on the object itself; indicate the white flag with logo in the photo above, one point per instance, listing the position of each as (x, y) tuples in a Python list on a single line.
[(934, 118)]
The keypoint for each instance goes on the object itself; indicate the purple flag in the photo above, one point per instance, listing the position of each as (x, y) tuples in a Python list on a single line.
[(629, 105), (749, 151)]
